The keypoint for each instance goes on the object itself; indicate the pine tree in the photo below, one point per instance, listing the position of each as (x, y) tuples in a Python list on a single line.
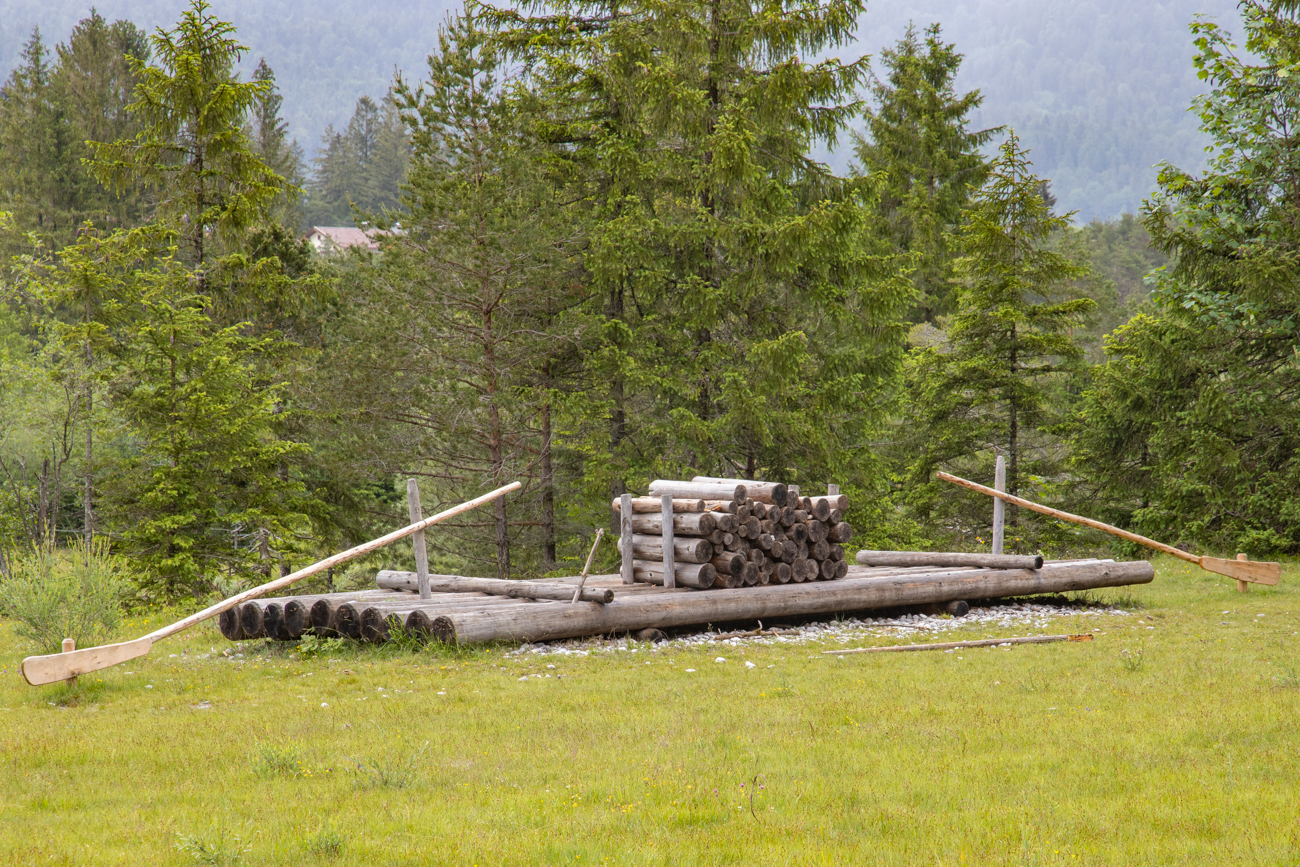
[(362, 167), (918, 140), (987, 383), (204, 485), (95, 83)]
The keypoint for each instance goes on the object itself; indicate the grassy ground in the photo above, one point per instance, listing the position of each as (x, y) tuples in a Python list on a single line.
[(1166, 741)]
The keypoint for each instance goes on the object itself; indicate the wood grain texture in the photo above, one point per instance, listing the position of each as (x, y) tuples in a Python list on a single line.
[(546, 621), (945, 558), (394, 580)]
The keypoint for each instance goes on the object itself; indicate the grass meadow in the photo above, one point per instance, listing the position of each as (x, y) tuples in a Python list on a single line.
[(1170, 739)]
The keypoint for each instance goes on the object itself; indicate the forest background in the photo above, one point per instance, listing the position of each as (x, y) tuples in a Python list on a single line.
[(608, 246)]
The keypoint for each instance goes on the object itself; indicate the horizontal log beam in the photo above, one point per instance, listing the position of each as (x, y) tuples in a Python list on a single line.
[(702, 490), (688, 549), (944, 558), (763, 492), (688, 524), (652, 505), (393, 580)]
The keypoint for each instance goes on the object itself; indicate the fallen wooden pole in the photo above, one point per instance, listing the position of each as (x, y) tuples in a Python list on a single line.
[(630, 612), (394, 580), (1241, 570), (939, 558), (60, 666), (582, 579), (652, 505), (951, 645)]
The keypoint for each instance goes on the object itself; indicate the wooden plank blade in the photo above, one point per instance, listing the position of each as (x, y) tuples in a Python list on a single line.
[(1244, 570), (55, 667)]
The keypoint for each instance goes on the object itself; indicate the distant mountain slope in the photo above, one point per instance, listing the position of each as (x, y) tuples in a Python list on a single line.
[(1098, 89)]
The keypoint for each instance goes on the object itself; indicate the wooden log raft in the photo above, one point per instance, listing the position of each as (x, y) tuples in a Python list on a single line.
[(940, 558), (393, 580), (546, 621)]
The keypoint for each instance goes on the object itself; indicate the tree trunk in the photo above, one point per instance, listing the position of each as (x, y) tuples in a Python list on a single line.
[(548, 485), (1013, 434)]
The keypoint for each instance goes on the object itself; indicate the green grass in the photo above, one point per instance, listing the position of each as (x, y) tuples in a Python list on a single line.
[(1171, 745)]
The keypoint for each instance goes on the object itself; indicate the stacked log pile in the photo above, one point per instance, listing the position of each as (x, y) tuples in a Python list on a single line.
[(731, 533)]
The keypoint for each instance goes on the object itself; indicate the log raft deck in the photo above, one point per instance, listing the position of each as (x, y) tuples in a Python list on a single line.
[(472, 618)]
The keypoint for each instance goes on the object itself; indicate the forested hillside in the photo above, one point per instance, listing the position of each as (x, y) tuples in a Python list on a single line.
[(1098, 90), (614, 257)]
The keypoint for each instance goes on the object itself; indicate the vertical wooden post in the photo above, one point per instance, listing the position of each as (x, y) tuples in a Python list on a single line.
[(68, 646), (1242, 586), (625, 533), (832, 490), (417, 538), (670, 567), (999, 507)]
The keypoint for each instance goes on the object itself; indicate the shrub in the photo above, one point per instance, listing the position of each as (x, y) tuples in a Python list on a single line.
[(75, 592)]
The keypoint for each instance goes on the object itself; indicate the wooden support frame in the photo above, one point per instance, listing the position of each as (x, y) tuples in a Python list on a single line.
[(625, 533), (666, 515)]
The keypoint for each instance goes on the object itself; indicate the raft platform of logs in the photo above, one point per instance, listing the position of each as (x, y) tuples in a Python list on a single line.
[(543, 610)]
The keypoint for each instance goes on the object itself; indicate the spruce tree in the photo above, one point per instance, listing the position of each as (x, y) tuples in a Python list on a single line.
[(750, 309), (987, 383), (38, 172), (268, 133), (918, 141), (192, 151), (1192, 427)]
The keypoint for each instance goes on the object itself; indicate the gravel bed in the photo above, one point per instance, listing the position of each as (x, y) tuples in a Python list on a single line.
[(914, 627)]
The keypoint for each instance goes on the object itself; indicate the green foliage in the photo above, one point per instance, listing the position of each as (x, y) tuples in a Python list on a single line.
[(204, 481), (1191, 426), (361, 167), (917, 140), (192, 151), (75, 592), (749, 312), (987, 384)]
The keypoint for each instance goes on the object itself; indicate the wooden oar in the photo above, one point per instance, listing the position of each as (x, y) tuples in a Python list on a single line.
[(61, 666), (1240, 569)]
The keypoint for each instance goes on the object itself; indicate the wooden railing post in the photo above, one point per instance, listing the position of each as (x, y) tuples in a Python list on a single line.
[(670, 567), (625, 533), (999, 507)]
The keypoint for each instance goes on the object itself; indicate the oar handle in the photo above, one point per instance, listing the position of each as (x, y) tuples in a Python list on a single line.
[(1077, 519)]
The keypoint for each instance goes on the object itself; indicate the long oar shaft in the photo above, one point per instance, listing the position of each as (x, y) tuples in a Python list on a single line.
[(328, 563), (1077, 519), (60, 666)]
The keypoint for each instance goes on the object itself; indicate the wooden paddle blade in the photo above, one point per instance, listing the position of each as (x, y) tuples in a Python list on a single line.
[(61, 666), (1244, 570)]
